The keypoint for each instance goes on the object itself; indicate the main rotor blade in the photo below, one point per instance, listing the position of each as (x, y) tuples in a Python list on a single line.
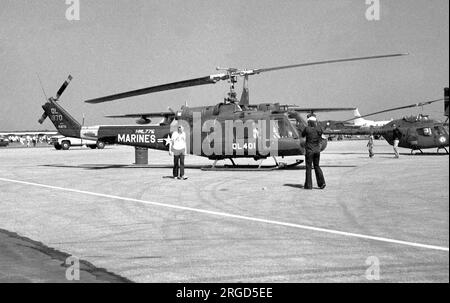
[(63, 87), (397, 108), (146, 115), (215, 78), (153, 89), (262, 70), (321, 109)]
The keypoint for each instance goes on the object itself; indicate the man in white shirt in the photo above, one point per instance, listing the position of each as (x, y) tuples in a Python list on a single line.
[(177, 148)]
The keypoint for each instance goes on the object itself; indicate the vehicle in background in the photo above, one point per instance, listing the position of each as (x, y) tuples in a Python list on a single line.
[(3, 142), (64, 143)]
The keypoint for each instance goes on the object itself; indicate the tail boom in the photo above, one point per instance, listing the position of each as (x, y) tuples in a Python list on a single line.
[(63, 121)]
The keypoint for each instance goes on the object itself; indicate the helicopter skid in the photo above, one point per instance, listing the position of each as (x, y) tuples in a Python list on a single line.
[(444, 148), (280, 165)]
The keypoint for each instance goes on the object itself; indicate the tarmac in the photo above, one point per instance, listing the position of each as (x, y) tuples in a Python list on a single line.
[(378, 220)]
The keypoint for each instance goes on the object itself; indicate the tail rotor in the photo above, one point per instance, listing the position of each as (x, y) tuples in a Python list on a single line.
[(63, 88), (53, 99)]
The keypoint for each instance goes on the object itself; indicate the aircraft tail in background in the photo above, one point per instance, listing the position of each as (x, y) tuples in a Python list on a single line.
[(63, 121), (358, 120)]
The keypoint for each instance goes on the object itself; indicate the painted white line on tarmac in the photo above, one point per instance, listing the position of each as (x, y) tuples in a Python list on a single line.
[(227, 215)]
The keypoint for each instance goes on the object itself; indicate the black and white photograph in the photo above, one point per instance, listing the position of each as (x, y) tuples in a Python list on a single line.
[(224, 147)]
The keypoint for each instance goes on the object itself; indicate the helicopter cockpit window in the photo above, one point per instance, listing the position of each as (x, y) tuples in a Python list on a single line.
[(276, 131), (282, 128), (440, 130)]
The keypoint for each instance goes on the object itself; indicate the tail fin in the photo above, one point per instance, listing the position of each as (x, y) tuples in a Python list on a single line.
[(245, 99), (63, 121), (358, 120)]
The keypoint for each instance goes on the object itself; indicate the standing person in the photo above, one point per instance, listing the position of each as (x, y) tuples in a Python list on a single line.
[(177, 148), (370, 146), (313, 134), (397, 135)]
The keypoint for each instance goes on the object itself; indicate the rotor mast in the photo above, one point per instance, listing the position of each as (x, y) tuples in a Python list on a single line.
[(232, 77)]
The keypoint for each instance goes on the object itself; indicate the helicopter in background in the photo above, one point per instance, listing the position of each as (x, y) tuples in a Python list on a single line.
[(257, 131), (418, 132)]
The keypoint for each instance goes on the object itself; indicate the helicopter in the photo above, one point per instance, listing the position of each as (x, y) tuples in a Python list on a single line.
[(228, 130), (418, 132)]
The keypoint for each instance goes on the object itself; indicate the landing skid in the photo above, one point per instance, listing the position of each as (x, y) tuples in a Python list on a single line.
[(413, 151), (439, 148), (259, 167)]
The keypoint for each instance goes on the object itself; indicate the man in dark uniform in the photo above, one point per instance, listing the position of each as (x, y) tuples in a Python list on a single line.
[(397, 135), (313, 133)]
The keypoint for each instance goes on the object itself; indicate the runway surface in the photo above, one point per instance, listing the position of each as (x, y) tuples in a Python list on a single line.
[(228, 226)]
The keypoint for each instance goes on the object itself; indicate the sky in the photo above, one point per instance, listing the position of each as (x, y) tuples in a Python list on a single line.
[(120, 45)]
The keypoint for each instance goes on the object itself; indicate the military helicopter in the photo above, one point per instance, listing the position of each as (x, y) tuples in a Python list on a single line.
[(228, 130), (418, 132)]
